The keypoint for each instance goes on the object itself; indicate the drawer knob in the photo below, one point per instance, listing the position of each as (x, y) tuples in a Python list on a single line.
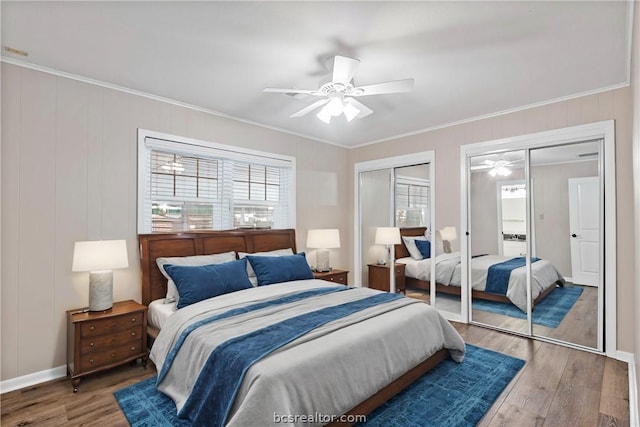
[(133, 320), (113, 323), (92, 328), (113, 355), (91, 344), (133, 334), (133, 348), (90, 360)]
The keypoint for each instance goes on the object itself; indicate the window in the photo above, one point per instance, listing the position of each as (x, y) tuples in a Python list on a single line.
[(185, 184), (412, 202)]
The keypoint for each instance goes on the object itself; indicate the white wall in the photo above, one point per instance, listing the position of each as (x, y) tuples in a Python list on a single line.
[(69, 173)]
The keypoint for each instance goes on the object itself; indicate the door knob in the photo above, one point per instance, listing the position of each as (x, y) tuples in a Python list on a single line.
[(574, 235)]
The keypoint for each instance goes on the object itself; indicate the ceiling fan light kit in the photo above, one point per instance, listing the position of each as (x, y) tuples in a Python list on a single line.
[(338, 94)]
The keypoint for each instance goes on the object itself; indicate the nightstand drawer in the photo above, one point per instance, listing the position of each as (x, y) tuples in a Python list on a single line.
[(99, 327), (338, 278), (102, 342), (110, 356), (335, 276)]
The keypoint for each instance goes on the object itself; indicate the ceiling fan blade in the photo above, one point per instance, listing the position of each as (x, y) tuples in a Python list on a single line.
[(364, 110), (309, 108), (382, 88), (480, 167), (343, 69), (278, 90)]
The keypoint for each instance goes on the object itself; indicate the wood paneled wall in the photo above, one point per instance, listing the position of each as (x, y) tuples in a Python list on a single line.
[(69, 173)]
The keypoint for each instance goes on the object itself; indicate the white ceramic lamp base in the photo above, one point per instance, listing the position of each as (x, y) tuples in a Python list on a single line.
[(322, 260), (100, 290)]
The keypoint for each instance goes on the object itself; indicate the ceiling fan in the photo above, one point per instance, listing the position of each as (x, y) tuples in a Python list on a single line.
[(338, 96), (497, 167)]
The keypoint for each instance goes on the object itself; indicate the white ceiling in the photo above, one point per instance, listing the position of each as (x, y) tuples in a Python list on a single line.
[(468, 59)]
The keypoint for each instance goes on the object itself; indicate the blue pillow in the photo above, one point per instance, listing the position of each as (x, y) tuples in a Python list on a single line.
[(197, 283), (424, 246), (277, 269)]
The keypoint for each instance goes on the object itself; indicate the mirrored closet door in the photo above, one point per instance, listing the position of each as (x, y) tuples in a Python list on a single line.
[(498, 220), (566, 211), (400, 195), (534, 253)]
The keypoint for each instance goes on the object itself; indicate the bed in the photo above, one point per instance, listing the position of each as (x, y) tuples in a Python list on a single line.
[(544, 278), (348, 365)]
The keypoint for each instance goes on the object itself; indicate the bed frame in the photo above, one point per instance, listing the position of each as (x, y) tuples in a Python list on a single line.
[(154, 284), (402, 252)]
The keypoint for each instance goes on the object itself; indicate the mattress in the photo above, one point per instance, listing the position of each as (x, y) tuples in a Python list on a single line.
[(159, 312)]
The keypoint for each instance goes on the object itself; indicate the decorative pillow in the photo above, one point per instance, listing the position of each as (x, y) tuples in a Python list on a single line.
[(250, 272), (172, 291), (277, 269), (424, 246), (409, 242), (197, 283)]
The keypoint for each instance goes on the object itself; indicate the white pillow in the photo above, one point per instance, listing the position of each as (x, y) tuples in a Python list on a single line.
[(252, 274), (196, 260), (409, 242)]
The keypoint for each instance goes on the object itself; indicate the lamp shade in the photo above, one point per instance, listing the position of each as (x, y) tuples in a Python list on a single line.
[(388, 236), (448, 233), (326, 238), (100, 255)]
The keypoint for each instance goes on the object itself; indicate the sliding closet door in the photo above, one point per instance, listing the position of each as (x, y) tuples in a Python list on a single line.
[(375, 211), (568, 220), (498, 233)]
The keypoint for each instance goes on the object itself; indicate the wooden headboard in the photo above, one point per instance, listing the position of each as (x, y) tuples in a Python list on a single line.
[(153, 246), (401, 250)]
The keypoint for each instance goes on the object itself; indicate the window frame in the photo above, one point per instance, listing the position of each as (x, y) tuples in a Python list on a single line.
[(195, 147)]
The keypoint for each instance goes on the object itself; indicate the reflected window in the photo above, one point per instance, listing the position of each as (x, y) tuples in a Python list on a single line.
[(412, 202)]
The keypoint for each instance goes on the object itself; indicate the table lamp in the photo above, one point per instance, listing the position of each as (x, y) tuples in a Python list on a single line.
[(323, 240), (100, 258), (389, 236), (448, 234)]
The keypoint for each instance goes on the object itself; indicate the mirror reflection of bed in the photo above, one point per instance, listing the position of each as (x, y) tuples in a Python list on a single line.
[(546, 280), (569, 313)]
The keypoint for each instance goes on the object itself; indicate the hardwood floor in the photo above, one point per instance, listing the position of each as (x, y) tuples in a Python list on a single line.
[(557, 387)]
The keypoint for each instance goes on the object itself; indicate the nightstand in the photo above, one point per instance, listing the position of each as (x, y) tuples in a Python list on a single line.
[(379, 277), (101, 340), (335, 275)]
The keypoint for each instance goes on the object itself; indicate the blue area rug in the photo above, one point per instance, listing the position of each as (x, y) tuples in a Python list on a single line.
[(548, 312), (451, 394)]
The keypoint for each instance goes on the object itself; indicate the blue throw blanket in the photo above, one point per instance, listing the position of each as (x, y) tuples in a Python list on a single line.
[(498, 274), (214, 392)]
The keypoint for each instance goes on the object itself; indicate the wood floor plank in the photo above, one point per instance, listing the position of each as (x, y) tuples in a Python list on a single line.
[(614, 400), (609, 421), (508, 416), (540, 379), (577, 400)]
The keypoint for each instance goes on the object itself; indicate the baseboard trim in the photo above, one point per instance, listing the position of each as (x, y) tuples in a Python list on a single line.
[(33, 379), (624, 356)]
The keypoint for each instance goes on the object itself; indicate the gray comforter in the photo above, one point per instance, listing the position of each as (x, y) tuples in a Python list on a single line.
[(327, 371)]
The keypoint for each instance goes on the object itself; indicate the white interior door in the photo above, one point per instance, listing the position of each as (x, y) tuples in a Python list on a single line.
[(584, 223)]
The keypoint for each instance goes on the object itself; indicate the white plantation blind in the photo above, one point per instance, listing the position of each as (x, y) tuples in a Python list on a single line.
[(412, 202), (186, 184)]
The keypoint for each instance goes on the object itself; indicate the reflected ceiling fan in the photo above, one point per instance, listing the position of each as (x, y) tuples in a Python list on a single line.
[(338, 96), (497, 167)]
